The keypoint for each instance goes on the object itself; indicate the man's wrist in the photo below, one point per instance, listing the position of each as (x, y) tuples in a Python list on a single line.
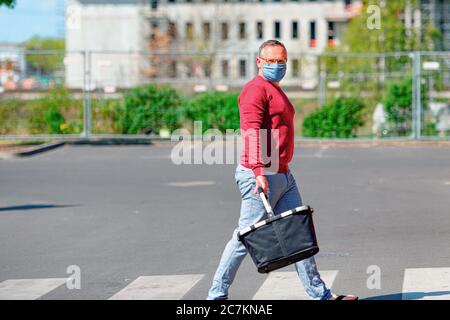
[(258, 171)]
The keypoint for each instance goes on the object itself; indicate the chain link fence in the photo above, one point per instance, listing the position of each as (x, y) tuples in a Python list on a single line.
[(80, 94)]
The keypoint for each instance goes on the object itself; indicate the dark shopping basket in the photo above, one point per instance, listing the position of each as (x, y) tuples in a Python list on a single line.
[(281, 239)]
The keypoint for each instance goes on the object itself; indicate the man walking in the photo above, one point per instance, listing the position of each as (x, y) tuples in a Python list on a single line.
[(263, 106)]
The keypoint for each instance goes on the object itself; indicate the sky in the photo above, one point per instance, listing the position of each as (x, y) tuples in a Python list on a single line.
[(32, 17)]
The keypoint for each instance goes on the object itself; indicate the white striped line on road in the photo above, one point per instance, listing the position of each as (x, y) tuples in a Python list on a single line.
[(418, 283), (158, 287), (426, 284), (320, 152), (191, 184), (28, 289), (287, 286)]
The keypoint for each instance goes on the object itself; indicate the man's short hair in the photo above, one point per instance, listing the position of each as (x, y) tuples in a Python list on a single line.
[(270, 43)]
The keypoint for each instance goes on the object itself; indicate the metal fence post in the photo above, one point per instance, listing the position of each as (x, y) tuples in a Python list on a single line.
[(87, 102), (89, 95), (417, 96), (255, 67), (322, 83)]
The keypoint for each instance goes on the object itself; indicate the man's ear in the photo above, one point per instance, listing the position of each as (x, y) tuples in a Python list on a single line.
[(258, 62)]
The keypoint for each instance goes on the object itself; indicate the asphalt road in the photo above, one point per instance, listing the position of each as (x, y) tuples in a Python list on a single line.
[(120, 213)]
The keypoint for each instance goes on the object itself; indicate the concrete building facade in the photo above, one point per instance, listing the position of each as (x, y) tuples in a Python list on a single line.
[(197, 41)]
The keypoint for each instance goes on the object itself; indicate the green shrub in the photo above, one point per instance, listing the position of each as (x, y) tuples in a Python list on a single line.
[(9, 119), (339, 119), (398, 105), (55, 120), (215, 109), (55, 113), (107, 115), (151, 108)]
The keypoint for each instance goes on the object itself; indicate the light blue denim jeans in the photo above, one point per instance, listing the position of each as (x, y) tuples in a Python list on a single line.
[(283, 195)]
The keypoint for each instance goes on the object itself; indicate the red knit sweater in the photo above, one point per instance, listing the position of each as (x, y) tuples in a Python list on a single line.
[(262, 105)]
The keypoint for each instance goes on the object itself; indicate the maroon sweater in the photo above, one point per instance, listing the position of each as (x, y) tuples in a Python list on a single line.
[(262, 105)]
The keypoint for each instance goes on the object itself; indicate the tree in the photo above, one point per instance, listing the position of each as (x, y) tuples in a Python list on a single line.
[(45, 63), (8, 3), (379, 28), (391, 35)]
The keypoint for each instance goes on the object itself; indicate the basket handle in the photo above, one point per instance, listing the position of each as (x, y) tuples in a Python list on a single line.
[(265, 202)]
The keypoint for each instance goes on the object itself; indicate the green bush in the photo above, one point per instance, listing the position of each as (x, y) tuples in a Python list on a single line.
[(51, 113), (215, 109), (55, 112), (151, 108), (429, 129), (339, 119), (55, 120), (9, 119), (398, 105), (107, 115)]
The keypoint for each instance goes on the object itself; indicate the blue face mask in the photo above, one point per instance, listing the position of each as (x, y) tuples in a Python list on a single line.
[(274, 72)]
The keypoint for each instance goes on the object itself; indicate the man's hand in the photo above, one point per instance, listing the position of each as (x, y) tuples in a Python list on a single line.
[(261, 181)]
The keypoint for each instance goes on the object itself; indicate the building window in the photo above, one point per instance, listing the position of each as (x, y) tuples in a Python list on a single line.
[(277, 30), (312, 34), (331, 33), (154, 4), (294, 30), (173, 69), (172, 30), (189, 31), (207, 69), (242, 68), (259, 30), (224, 30), (206, 31), (295, 65), (189, 69), (225, 68), (153, 30), (242, 31)]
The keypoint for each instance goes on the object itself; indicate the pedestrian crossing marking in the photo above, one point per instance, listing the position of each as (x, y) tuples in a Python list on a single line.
[(418, 283), (426, 284), (287, 286), (158, 287), (28, 289)]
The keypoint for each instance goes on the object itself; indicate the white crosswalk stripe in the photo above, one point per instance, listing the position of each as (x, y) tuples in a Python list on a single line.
[(28, 289), (158, 287), (426, 284), (287, 286), (418, 283)]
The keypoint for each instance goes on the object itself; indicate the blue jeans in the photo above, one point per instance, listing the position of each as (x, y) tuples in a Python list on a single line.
[(283, 195)]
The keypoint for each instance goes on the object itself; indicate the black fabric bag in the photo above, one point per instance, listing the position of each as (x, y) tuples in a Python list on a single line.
[(281, 239)]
